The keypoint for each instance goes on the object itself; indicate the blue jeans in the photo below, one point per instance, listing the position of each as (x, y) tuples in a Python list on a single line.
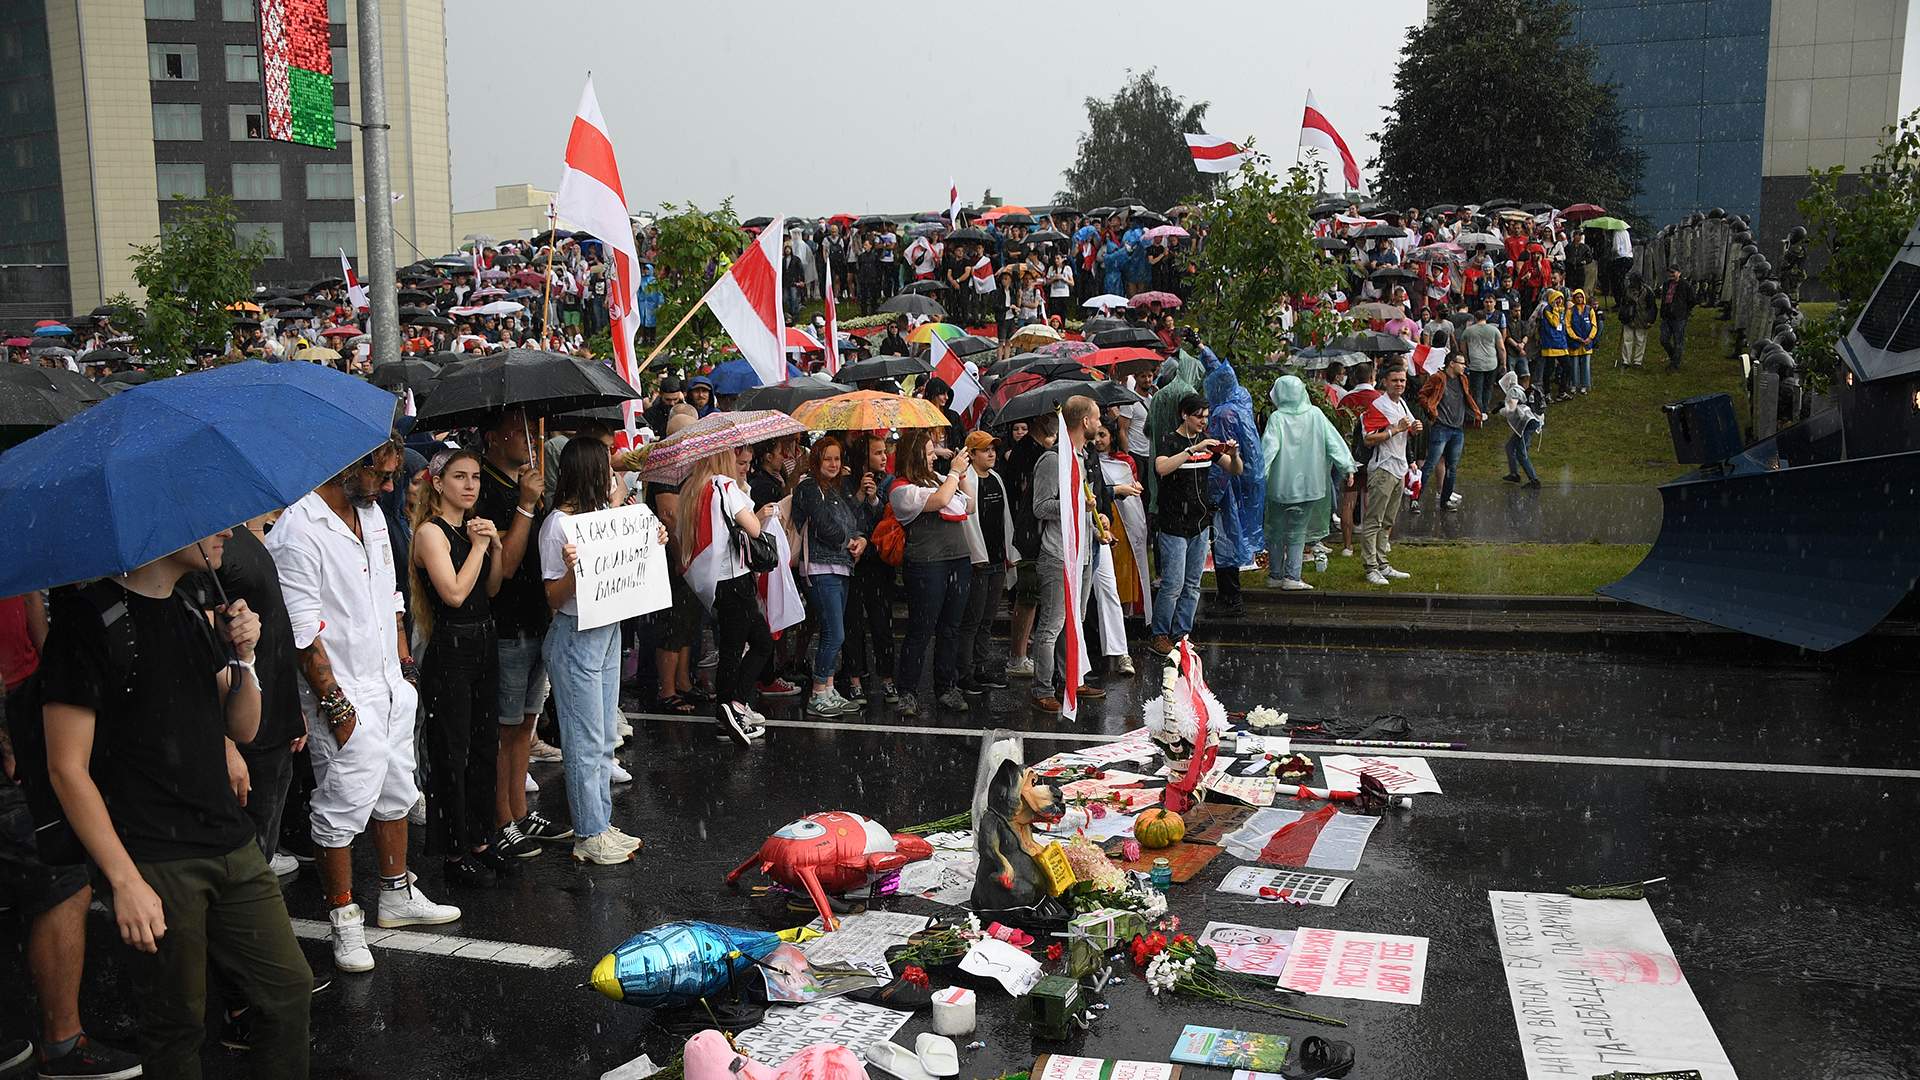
[(584, 668), (936, 602), (1582, 370), (1177, 594), (1442, 439), (830, 607), (1518, 460)]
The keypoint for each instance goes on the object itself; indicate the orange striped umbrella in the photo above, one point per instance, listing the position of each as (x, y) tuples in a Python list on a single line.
[(869, 410)]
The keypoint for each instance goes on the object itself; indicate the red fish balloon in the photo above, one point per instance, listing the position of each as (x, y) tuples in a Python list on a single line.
[(834, 852)]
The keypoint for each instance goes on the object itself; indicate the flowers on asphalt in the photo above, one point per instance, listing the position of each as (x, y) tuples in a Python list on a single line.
[(1261, 716)]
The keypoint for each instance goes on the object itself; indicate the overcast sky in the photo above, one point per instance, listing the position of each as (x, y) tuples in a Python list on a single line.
[(822, 106), (863, 105)]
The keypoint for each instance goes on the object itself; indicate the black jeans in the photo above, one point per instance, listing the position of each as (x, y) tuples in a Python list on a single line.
[(1226, 584), (869, 650), (976, 626), (936, 602), (745, 644), (459, 680), (270, 772)]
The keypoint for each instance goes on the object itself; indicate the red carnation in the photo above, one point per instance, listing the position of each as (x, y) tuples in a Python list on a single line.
[(1055, 952), (916, 976)]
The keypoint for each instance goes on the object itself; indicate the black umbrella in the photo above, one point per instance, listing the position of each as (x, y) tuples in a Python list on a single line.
[(551, 235), (1043, 400), (1318, 357), (881, 367), (1393, 273), (296, 313), (756, 222), (924, 288), (873, 221), (1376, 209), (417, 314), (1015, 219), (968, 345), (541, 382), (407, 373), (33, 399), (1002, 368), (1133, 336), (1100, 324), (326, 283), (104, 311), (1442, 208), (1371, 343), (969, 235), (1330, 243), (1051, 367), (1500, 204), (1063, 211), (509, 260), (107, 356), (1148, 218), (1375, 232), (788, 396), (1047, 236), (127, 378), (414, 296), (412, 273), (280, 302), (243, 321), (1100, 212), (914, 304), (436, 320)]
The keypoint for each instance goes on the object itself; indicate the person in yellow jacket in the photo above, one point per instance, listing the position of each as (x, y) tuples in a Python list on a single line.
[(1583, 329), (1554, 343)]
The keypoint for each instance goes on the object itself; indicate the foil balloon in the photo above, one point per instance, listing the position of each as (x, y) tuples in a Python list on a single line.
[(835, 852), (680, 963)]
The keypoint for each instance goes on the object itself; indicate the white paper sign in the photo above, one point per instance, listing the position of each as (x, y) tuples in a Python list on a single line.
[(784, 1032), (620, 566), (1399, 775), (1370, 967), (1251, 745), (865, 935), (1005, 964), (1062, 1067), (1250, 950), (1596, 989)]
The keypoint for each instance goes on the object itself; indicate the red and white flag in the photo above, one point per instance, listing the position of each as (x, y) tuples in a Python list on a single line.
[(1428, 359), (1213, 154), (712, 553), (1317, 132), (983, 275), (356, 292), (953, 204), (1073, 546), (592, 199), (747, 301), (832, 316), (961, 376)]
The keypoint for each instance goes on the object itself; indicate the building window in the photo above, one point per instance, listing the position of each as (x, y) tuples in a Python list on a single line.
[(342, 125), (336, 11), (174, 122), (329, 181), (245, 122), (339, 63), (181, 10), (330, 238), (181, 180), (22, 153), (256, 180), (275, 233), (174, 63), (237, 10), (243, 63)]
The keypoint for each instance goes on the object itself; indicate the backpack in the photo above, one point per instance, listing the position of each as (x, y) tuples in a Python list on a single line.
[(890, 538)]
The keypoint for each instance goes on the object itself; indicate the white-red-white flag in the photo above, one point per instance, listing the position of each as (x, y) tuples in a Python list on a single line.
[(1073, 541), (832, 316), (1213, 154), (983, 275), (592, 199), (1318, 133), (953, 204), (1428, 359), (961, 376), (356, 292), (747, 301)]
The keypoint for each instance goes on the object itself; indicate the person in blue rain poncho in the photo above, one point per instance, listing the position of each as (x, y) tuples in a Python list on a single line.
[(1299, 454), (1239, 526)]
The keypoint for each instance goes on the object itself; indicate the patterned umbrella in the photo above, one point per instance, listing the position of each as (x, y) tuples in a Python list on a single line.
[(1033, 335), (1071, 349), (1164, 299), (869, 410), (670, 460)]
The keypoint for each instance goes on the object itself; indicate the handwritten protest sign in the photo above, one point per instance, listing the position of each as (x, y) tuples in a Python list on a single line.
[(1399, 775), (1596, 989), (1250, 950), (620, 567), (1371, 967), (1062, 1067)]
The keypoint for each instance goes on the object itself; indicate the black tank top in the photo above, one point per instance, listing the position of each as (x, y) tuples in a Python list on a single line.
[(475, 611)]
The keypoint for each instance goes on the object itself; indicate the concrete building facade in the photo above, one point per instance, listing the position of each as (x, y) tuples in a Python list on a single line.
[(117, 111), (518, 211)]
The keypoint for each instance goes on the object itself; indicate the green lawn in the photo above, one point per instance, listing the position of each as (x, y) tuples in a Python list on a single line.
[(1485, 569), (1617, 434)]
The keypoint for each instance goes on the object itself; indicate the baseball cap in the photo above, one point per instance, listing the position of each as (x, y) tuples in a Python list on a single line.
[(980, 440)]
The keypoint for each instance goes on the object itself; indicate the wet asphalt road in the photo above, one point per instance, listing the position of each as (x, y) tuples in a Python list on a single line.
[(1791, 906)]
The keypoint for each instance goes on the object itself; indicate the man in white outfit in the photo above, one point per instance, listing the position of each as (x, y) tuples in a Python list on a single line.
[(337, 573)]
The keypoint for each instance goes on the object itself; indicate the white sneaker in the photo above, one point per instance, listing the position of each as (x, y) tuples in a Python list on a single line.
[(1386, 547), (619, 775), (532, 785), (1346, 553), (601, 850), (1375, 577), (625, 728), (283, 864), (1021, 668), (1318, 548), (1293, 585), (1454, 501), (1125, 665), (541, 750), (1398, 575), (631, 843), (417, 813), (350, 952), (753, 716), (410, 907)]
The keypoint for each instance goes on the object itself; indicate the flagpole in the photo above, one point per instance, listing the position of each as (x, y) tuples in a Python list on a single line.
[(546, 286), (665, 341)]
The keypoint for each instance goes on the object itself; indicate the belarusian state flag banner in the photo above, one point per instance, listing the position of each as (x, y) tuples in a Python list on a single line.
[(296, 67)]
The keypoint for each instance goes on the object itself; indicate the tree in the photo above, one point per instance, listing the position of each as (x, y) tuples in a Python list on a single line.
[(692, 246), (1133, 150), (1519, 113), (191, 273), (1259, 250), (1861, 221)]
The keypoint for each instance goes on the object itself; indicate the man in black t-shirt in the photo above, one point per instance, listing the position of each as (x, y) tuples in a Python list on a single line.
[(990, 526), (1182, 460), (140, 698)]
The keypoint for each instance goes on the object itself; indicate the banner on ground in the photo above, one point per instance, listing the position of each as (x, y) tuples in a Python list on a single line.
[(620, 565), (1596, 989), (1370, 967)]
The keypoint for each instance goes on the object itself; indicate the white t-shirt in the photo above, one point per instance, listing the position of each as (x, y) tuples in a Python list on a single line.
[(553, 537), (733, 499), (1136, 413)]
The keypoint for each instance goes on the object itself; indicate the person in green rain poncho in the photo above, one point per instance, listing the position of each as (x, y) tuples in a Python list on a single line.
[(1302, 450)]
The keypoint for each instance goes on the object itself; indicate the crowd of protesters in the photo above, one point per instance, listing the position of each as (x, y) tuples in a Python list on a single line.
[(408, 630)]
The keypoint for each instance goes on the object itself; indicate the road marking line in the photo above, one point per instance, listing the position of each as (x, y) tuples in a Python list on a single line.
[(511, 953), (1324, 748)]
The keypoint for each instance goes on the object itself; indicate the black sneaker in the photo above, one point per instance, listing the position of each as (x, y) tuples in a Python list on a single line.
[(1512, 478), (855, 694), (14, 1053), (735, 726), (493, 860), (992, 679), (236, 1029), (513, 843), (893, 693), (535, 826), (971, 687), (465, 872), (89, 1060)]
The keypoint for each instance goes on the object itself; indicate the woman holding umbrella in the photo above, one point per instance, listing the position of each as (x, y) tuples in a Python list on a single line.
[(714, 507)]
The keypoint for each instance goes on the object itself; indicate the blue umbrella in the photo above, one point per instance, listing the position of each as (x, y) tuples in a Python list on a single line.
[(55, 330), (737, 375), (155, 468)]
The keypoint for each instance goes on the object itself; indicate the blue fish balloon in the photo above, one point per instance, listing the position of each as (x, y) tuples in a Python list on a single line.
[(680, 963)]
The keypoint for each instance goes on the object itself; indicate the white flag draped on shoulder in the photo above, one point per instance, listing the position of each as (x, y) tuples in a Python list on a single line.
[(592, 200), (1073, 542), (747, 301), (1213, 154)]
